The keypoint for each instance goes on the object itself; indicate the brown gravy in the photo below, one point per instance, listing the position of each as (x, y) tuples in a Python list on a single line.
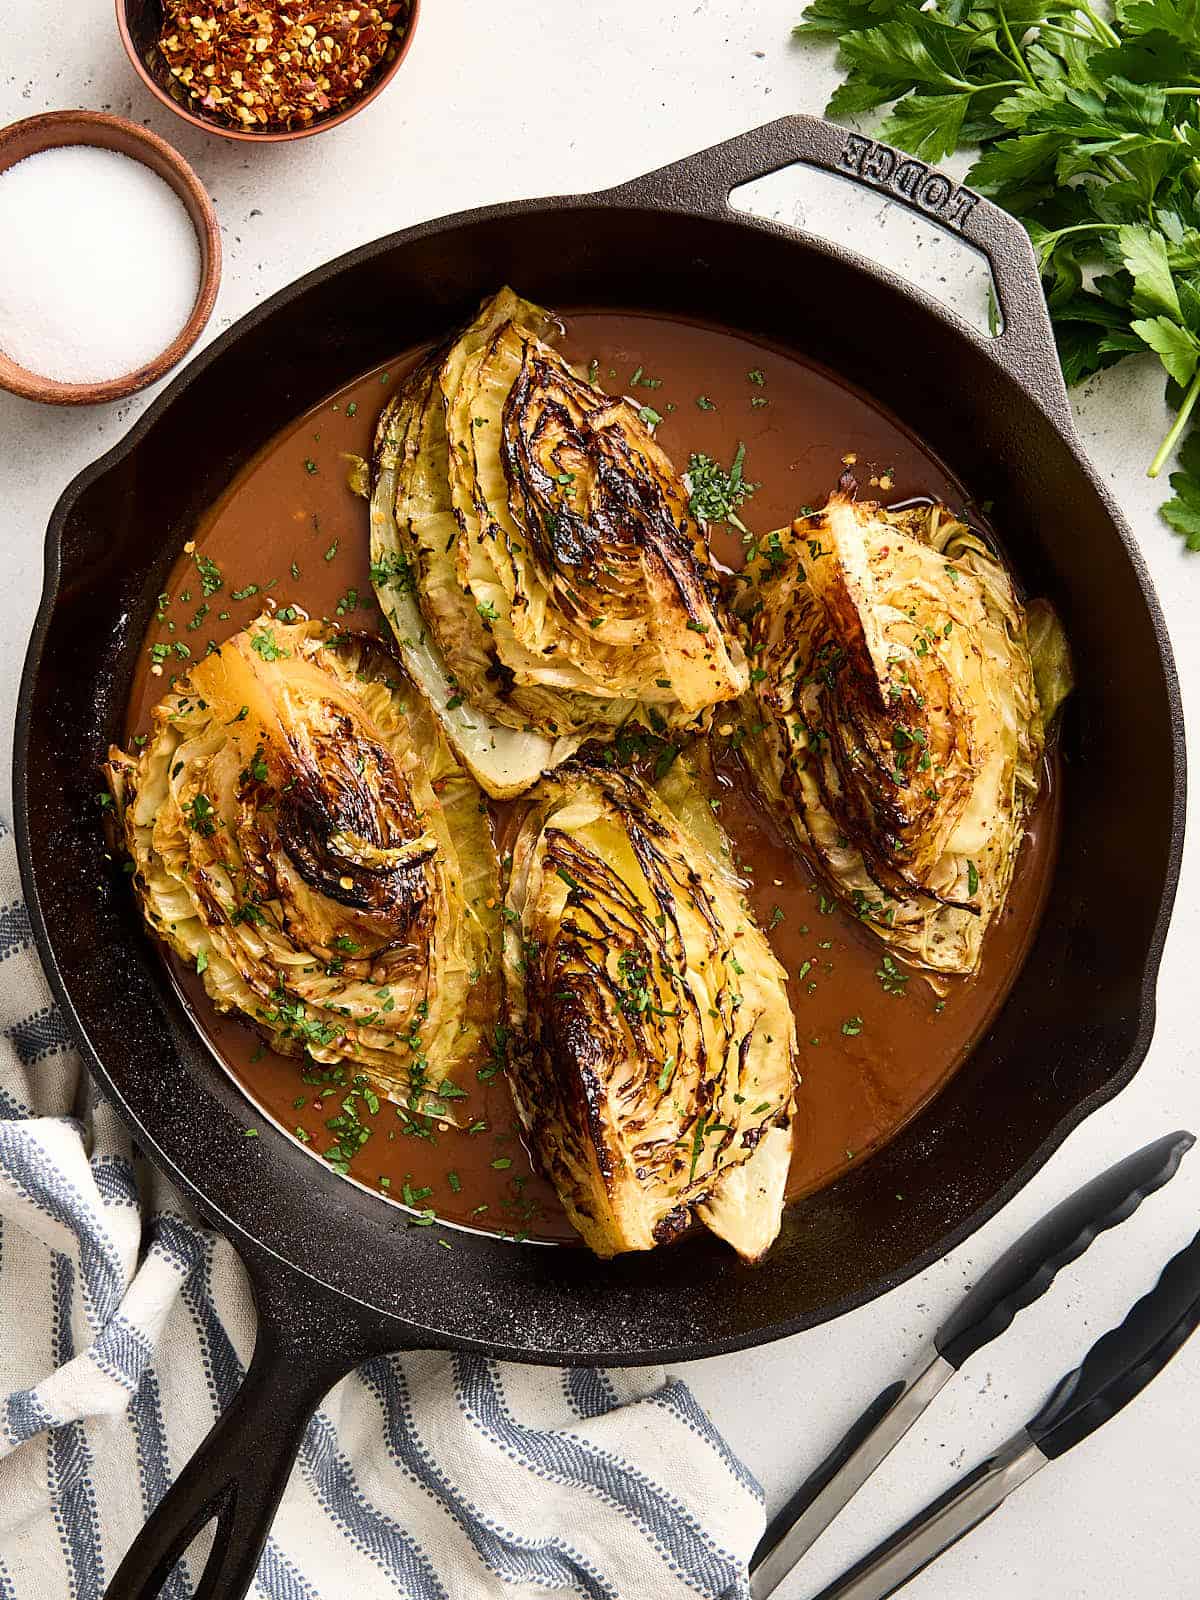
[(870, 1059)]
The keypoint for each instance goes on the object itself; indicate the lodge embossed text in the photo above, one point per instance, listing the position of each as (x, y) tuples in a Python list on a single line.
[(916, 182)]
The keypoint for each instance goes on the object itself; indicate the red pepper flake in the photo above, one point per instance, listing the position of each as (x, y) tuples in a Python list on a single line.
[(275, 64)]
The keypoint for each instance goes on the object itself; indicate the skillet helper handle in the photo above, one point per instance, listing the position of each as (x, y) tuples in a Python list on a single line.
[(1024, 1272), (704, 182), (307, 1341), (1121, 1363)]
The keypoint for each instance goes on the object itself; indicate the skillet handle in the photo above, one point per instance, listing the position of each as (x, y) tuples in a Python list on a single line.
[(307, 1341), (702, 183)]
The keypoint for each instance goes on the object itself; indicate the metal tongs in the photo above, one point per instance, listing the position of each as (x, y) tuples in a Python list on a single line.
[(1116, 1369)]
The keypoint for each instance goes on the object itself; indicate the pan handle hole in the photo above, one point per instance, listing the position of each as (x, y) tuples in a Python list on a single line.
[(881, 230), (185, 1576)]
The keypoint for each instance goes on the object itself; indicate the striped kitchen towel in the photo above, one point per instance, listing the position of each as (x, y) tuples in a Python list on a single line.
[(125, 1327)]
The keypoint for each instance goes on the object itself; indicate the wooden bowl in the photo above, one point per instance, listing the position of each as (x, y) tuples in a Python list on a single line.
[(56, 128), (139, 23)]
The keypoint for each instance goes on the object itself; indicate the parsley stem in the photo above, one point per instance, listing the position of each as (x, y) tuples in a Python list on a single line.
[(1098, 22), (1065, 33), (1049, 243), (1177, 427), (1022, 68)]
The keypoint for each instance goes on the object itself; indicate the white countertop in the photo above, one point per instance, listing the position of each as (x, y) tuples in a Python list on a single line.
[(549, 96)]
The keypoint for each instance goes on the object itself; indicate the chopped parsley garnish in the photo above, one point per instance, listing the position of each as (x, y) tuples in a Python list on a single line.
[(211, 577), (717, 495), (697, 1145), (665, 760), (263, 644), (161, 652), (291, 1019), (201, 815), (633, 992), (852, 1027), (393, 571), (891, 979), (256, 769)]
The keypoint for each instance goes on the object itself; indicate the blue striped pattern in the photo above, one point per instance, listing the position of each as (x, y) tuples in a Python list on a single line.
[(676, 1398), (589, 1391), (16, 934), (422, 1478), (29, 1169), (70, 1461), (154, 1473), (553, 1563), (38, 1036), (559, 1458), (12, 1109), (115, 1182), (25, 1415)]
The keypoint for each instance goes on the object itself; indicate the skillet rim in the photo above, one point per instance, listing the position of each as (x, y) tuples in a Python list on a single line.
[(635, 197)]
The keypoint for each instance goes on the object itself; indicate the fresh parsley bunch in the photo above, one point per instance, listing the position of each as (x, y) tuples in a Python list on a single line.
[(1089, 131)]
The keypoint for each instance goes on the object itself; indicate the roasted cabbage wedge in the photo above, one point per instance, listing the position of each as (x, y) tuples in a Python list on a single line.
[(302, 835), (895, 717), (533, 550), (653, 1047)]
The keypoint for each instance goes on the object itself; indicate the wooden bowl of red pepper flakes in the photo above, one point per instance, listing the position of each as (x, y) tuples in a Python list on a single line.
[(266, 69)]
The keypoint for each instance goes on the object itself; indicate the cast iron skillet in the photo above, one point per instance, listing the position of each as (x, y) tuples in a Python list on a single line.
[(337, 1273)]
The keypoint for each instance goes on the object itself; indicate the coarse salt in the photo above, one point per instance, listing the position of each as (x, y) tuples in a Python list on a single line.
[(99, 264)]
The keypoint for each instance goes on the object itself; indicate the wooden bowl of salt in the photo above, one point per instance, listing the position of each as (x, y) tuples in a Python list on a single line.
[(112, 258)]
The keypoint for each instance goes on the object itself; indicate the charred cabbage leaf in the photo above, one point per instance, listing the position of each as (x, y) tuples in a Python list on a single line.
[(303, 836), (534, 552), (895, 717), (654, 1047)]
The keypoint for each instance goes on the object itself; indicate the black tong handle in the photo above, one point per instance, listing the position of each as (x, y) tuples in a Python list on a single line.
[(1029, 1267), (1121, 1363)]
